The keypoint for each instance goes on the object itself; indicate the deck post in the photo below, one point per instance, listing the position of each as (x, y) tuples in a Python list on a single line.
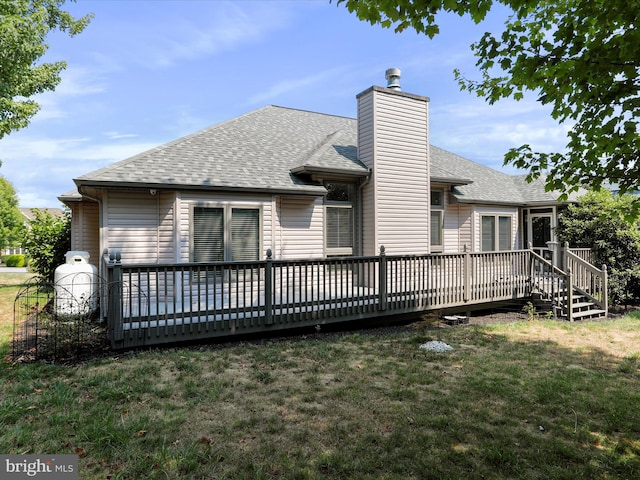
[(467, 274), (563, 258), (114, 287), (569, 295), (605, 291), (268, 289), (382, 280), (531, 265)]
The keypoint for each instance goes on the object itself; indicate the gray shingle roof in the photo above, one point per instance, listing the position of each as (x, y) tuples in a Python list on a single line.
[(254, 152), (273, 149)]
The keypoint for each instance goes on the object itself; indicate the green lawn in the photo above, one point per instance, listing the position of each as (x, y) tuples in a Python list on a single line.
[(531, 400)]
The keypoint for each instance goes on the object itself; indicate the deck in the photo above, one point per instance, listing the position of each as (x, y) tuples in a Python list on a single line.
[(153, 304)]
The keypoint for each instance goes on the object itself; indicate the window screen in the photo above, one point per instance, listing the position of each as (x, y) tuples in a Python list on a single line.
[(488, 230), (208, 234), (339, 227), (504, 233), (436, 228), (245, 234)]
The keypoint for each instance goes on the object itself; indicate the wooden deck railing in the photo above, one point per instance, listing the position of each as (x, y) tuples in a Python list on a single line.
[(587, 279), (552, 283), (586, 254), (151, 303)]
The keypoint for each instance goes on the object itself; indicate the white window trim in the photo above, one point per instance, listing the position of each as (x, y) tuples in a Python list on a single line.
[(338, 251), (438, 208), (496, 231)]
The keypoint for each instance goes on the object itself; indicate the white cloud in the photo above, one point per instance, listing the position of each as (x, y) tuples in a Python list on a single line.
[(75, 82), (285, 86), (484, 132), (474, 107), (79, 81), (43, 168), (226, 26), (118, 136)]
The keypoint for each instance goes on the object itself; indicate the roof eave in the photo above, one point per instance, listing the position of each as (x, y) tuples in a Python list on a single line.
[(475, 201), (313, 190), (451, 181), (315, 170)]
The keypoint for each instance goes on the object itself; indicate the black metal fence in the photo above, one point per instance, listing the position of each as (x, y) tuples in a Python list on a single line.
[(57, 322)]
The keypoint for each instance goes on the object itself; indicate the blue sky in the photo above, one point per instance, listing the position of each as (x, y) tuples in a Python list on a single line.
[(146, 72)]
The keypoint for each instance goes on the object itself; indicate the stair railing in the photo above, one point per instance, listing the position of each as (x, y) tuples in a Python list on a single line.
[(552, 282), (589, 280)]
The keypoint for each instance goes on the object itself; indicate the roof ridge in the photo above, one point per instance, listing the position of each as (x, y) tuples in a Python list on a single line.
[(313, 112), (321, 147)]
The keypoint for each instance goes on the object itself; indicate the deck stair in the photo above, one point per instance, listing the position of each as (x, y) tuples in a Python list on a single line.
[(552, 293), (582, 308)]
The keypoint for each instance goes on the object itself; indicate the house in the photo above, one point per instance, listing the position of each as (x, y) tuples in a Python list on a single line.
[(305, 185), (30, 213)]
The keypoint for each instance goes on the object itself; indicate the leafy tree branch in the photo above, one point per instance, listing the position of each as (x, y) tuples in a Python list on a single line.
[(579, 57), (24, 27)]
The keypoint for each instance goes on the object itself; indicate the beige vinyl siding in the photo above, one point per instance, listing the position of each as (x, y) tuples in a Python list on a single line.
[(465, 227), (85, 229), (187, 200), (301, 227), (140, 225), (479, 211), (400, 162), (366, 153), (166, 224), (457, 227)]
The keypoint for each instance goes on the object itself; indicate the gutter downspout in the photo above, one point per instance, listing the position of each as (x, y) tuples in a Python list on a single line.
[(361, 186), (101, 250)]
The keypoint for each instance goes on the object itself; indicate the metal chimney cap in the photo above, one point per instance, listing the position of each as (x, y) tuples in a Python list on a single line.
[(393, 78)]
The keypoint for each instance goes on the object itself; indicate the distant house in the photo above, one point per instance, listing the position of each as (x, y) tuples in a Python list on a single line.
[(29, 213), (308, 185)]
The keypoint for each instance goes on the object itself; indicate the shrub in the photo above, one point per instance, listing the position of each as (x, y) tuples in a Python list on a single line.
[(598, 222), (47, 241), (16, 260), (624, 286)]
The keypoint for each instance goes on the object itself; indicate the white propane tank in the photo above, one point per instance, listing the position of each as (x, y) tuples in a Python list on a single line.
[(76, 285)]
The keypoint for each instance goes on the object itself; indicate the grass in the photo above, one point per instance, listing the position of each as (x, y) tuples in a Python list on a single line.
[(528, 400), (10, 284)]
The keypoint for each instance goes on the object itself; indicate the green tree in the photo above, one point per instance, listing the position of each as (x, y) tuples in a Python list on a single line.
[(597, 221), (11, 220), (580, 57), (24, 26), (47, 241)]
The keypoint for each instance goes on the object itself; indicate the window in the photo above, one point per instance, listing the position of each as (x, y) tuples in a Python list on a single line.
[(495, 229), (437, 199), (212, 242), (208, 234), (437, 220), (339, 219), (436, 228), (245, 234), (504, 233)]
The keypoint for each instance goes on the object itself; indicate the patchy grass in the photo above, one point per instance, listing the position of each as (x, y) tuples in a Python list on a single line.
[(10, 284), (526, 400)]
